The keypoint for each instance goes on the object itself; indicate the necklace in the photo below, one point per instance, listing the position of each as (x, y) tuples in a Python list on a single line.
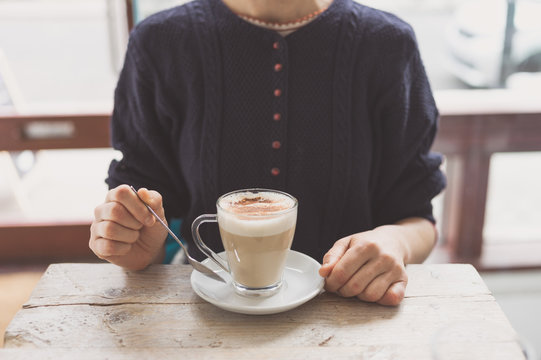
[(288, 25)]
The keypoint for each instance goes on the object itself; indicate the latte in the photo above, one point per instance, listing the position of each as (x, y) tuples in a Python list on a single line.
[(257, 229)]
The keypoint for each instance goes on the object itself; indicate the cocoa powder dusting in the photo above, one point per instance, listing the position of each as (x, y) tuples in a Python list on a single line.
[(250, 201), (256, 206)]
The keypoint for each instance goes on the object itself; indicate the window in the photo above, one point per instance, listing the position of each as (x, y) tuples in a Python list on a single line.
[(59, 63)]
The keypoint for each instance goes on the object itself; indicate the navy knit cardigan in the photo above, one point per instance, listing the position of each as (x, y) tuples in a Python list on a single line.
[(344, 122)]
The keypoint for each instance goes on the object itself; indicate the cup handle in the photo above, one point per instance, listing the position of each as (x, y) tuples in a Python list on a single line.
[(201, 245)]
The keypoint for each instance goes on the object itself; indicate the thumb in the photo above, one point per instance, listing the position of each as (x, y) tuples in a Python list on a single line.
[(154, 200), (333, 256)]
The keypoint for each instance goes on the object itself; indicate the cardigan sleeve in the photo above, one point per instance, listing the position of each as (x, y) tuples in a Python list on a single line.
[(408, 174), (140, 129)]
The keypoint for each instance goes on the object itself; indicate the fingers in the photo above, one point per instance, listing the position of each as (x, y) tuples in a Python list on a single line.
[(361, 279), (351, 262), (126, 197), (366, 265), (394, 294), (105, 249), (113, 231), (386, 289), (154, 200), (118, 222), (108, 238), (333, 255), (117, 213)]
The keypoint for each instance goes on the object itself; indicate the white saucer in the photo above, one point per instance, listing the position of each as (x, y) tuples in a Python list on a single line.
[(301, 283)]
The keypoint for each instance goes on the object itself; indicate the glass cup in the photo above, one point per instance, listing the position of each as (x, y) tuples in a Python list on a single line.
[(257, 228)]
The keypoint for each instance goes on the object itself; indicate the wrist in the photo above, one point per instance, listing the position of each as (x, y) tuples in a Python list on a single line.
[(420, 236)]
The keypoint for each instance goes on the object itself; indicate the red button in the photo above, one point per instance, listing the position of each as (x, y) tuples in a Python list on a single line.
[(278, 67), (277, 92), (277, 117), (276, 45), (276, 144), (275, 171)]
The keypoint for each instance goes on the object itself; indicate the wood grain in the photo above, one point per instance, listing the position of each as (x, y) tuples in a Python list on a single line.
[(169, 284), (497, 351), (105, 310)]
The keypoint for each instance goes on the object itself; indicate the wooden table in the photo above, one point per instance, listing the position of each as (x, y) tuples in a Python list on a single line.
[(89, 311)]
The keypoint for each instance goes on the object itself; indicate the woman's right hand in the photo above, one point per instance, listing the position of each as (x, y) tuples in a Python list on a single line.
[(124, 232)]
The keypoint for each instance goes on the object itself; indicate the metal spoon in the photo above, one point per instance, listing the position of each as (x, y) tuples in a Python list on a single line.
[(203, 269)]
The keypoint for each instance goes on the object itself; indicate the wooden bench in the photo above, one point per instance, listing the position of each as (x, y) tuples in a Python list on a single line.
[(474, 125), (30, 241)]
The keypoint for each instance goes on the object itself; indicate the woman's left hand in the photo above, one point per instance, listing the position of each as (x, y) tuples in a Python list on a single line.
[(369, 265)]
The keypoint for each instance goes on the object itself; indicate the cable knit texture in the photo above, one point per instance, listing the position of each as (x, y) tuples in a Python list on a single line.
[(196, 116)]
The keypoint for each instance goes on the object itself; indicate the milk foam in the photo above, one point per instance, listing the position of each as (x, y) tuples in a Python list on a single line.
[(260, 218)]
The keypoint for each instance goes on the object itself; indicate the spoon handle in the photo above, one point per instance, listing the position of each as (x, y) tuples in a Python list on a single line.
[(203, 269)]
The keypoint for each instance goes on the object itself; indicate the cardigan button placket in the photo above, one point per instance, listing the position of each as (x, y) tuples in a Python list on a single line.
[(279, 68)]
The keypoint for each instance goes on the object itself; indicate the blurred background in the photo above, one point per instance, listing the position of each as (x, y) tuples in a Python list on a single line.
[(59, 61)]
